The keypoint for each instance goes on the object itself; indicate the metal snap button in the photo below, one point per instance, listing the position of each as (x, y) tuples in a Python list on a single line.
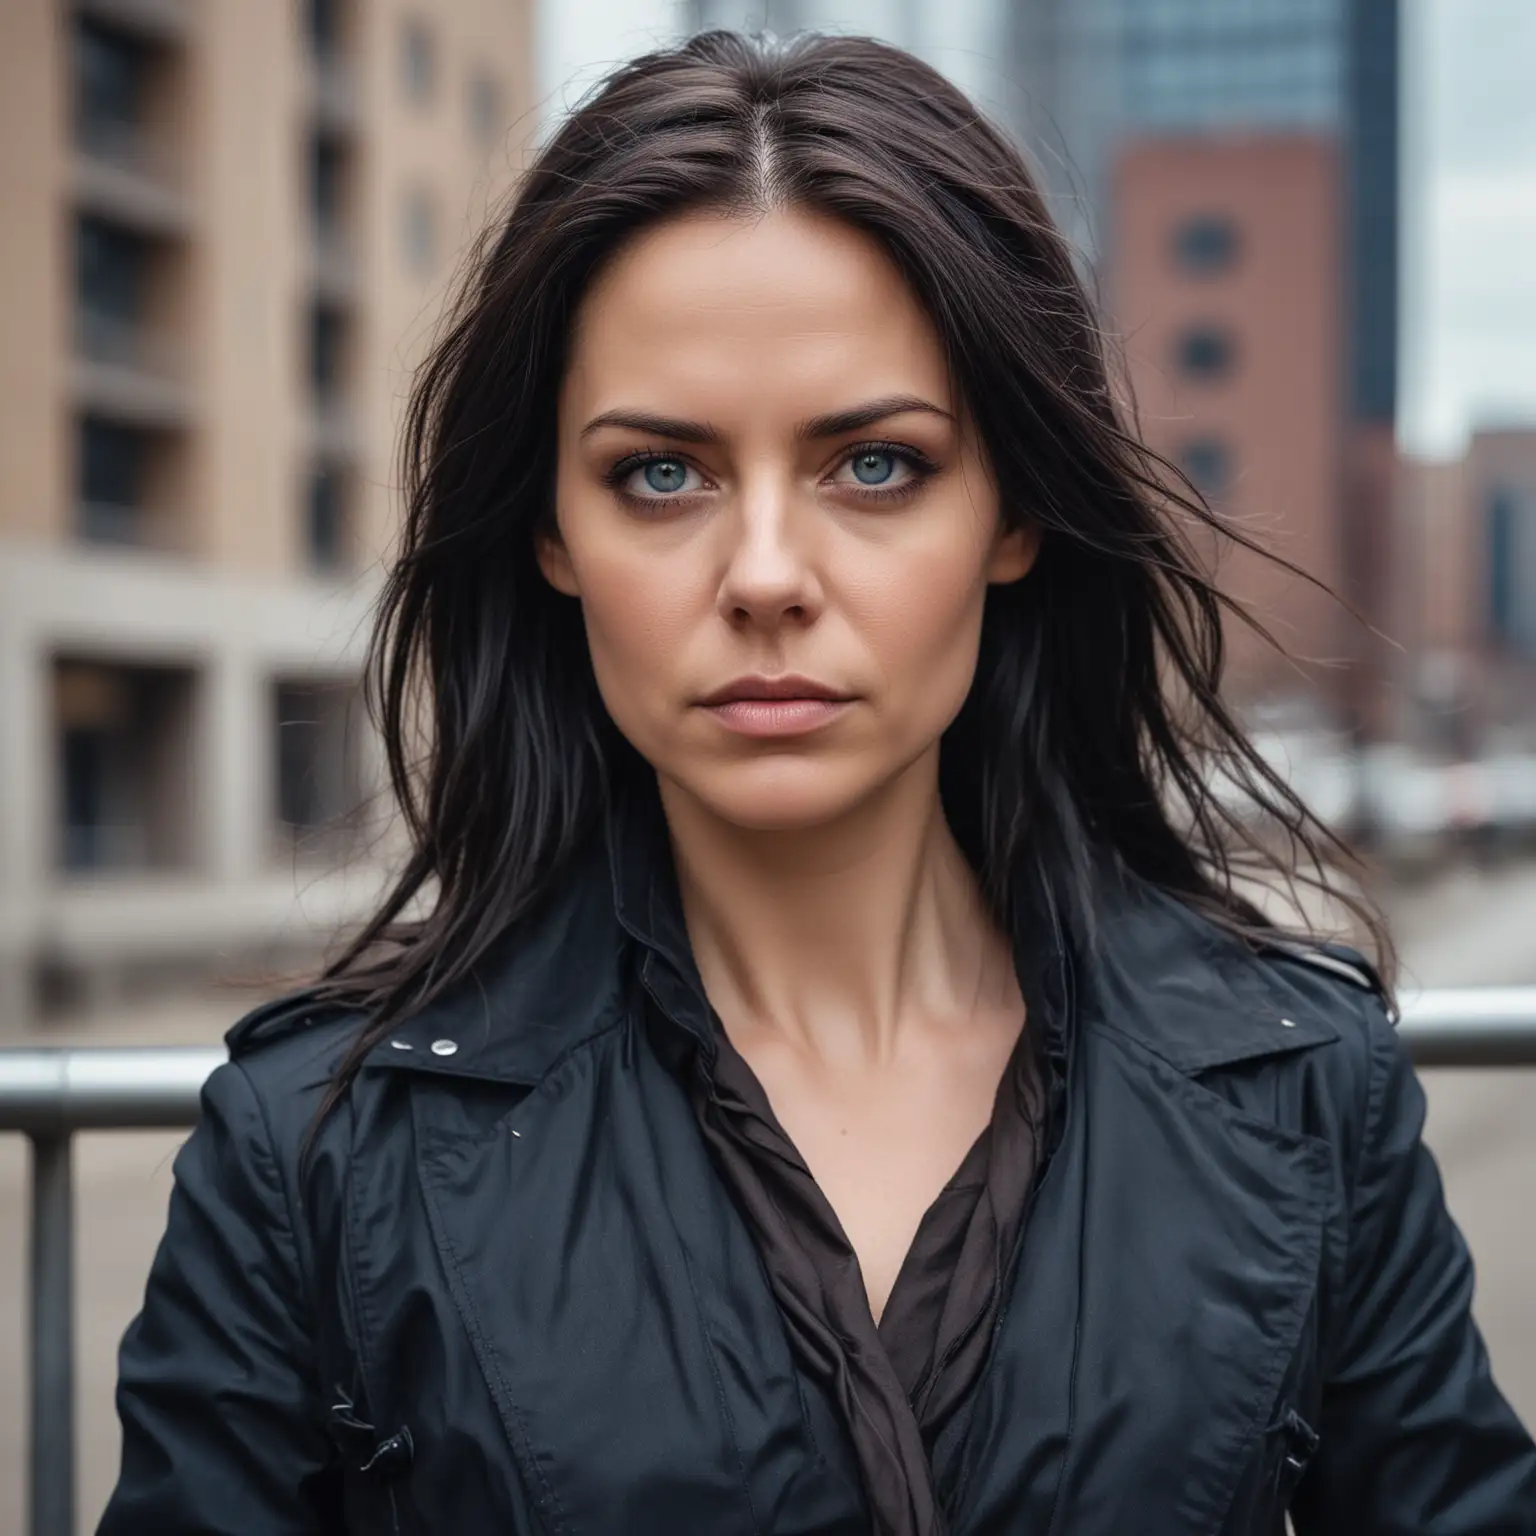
[(402, 1045), (1284, 1024), (444, 1047)]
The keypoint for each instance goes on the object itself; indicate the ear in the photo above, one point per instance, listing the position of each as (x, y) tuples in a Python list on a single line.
[(1014, 554), (555, 562)]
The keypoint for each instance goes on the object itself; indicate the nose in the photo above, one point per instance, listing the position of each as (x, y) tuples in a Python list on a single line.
[(770, 574)]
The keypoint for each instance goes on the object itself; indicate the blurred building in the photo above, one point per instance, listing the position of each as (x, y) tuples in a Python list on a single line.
[(225, 229), (1233, 165), (1467, 597)]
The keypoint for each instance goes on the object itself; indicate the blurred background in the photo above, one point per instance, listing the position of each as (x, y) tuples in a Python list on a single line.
[(226, 229)]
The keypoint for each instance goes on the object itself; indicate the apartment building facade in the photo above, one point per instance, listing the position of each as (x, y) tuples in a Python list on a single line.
[(228, 228)]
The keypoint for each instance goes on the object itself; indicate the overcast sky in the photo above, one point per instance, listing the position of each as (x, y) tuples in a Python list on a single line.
[(1469, 219)]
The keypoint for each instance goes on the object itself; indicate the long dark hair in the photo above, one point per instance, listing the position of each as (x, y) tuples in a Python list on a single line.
[(1095, 717)]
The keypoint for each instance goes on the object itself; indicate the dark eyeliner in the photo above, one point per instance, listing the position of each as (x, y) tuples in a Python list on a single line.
[(898, 450), (616, 474), (923, 469)]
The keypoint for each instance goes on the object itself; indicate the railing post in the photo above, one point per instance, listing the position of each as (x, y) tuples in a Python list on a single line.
[(52, 1336)]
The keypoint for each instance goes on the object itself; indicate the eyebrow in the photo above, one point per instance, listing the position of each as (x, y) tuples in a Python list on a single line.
[(832, 424), (657, 426), (835, 423)]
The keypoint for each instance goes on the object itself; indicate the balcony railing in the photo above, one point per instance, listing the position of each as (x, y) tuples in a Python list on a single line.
[(332, 94), (129, 371), (114, 525), (332, 264), (130, 344), (130, 147), (50, 1094), (334, 435), (129, 176)]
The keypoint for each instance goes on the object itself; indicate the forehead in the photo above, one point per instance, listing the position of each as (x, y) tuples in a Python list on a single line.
[(715, 311)]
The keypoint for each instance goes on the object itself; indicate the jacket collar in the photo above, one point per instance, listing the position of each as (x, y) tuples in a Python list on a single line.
[(1189, 992), (564, 974), (1196, 995), (552, 981), (649, 908)]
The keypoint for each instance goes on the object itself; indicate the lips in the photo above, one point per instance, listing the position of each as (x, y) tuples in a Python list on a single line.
[(776, 708), (759, 689)]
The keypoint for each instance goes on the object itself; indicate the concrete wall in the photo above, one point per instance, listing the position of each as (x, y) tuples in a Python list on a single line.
[(33, 270)]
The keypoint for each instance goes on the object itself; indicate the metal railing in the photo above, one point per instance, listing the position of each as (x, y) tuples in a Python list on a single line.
[(50, 1094)]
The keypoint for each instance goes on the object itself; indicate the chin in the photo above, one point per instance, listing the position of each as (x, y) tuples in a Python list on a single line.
[(781, 794)]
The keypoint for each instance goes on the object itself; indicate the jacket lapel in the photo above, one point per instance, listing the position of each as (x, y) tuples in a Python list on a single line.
[(1167, 1277), (1171, 1263), (609, 1292)]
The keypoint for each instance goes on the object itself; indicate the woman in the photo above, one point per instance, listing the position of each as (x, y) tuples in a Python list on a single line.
[(828, 1081)]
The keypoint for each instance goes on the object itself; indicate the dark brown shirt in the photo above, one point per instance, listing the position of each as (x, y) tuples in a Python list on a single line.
[(898, 1384)]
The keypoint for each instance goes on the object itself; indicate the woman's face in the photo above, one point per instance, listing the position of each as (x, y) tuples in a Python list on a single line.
[(766, 484)]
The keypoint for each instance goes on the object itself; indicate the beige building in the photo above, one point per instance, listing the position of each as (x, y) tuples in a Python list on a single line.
[(226, 227)]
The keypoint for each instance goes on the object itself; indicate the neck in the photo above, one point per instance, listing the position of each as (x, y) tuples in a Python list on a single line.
[(839, 938)]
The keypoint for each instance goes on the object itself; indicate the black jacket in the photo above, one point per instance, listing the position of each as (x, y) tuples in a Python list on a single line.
[(509, 1292)]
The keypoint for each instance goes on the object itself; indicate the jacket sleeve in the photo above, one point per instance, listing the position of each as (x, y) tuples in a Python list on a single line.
[(1415, 1438), (222, 1430)]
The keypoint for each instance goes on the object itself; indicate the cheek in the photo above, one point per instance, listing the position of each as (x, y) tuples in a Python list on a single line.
[(639, 614), (920, 617), (632, 612)]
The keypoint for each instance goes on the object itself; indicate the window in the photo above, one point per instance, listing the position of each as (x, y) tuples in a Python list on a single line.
[(323, 19), (109, 481), (1207, 461), (327, 342), (1205, 352), (1205, 244), (1510, 522), (110, 264), (419, 232), (86, 770), (418, 61), (485, 110), (326, 165), (325, 522), (123, 766), (110, 71), (316, 780)]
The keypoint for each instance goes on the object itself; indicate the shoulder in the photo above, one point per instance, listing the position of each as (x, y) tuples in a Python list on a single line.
[(1296, 1036), (1305, 1025), (1366, 1062), (294, 1040), (283, 1059)]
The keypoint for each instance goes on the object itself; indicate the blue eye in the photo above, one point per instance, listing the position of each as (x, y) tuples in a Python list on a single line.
[(665, 476), (874, 468), (884, 471)]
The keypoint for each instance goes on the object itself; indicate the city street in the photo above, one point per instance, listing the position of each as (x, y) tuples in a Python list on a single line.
[(1461, 929)]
